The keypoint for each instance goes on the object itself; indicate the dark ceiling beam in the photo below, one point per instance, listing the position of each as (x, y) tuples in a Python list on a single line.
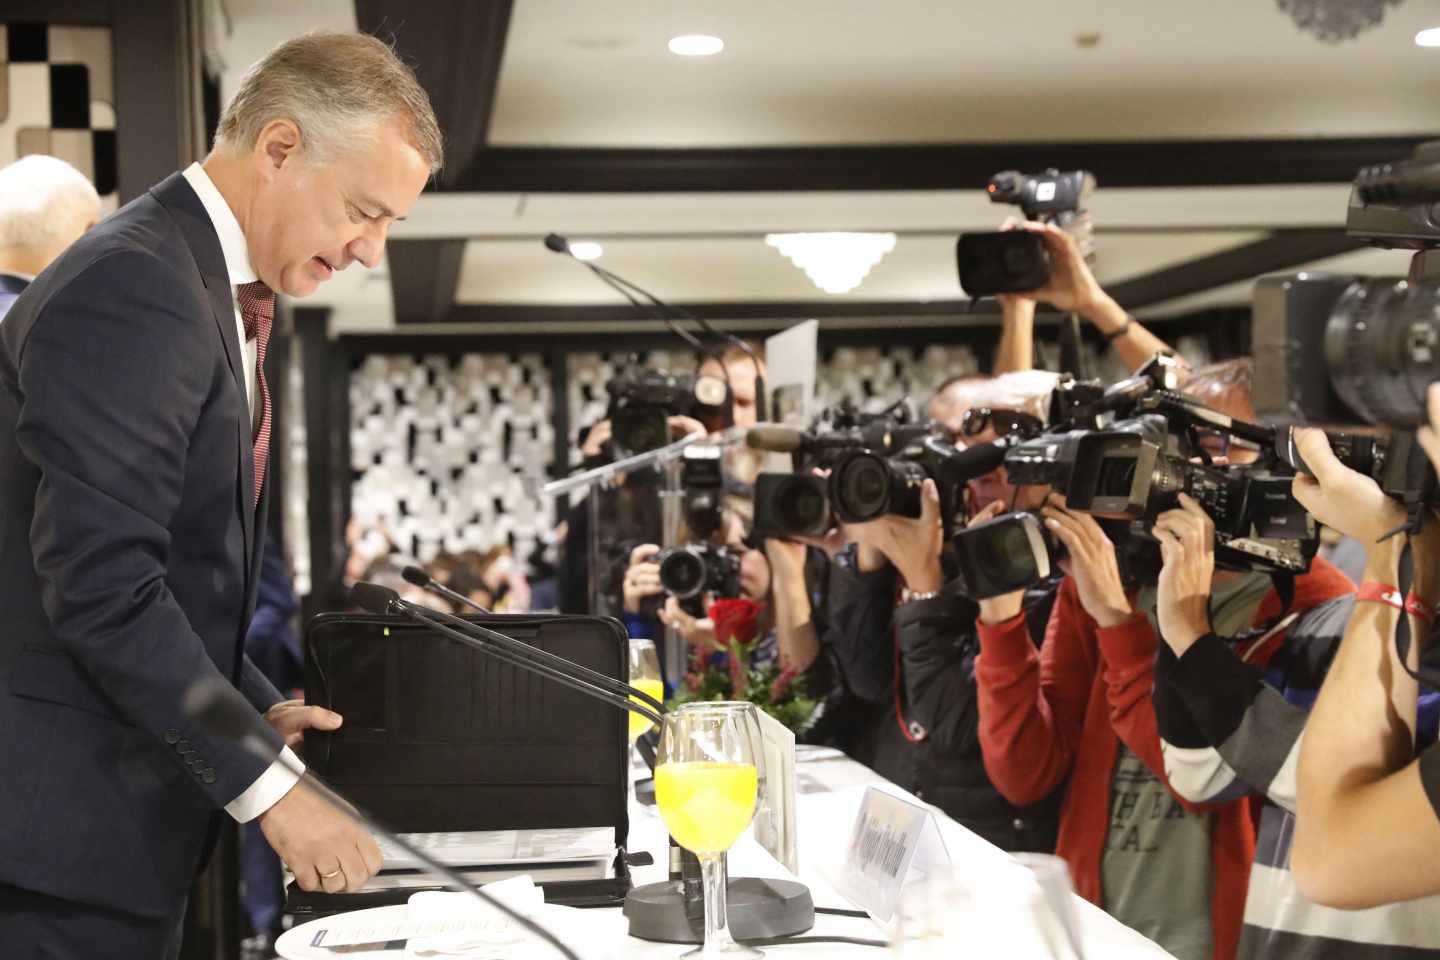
[(959, 166), (456, 50), (1283, 250), (779, 310)]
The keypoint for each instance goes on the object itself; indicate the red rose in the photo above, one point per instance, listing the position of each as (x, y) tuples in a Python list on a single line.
[(736, 621)]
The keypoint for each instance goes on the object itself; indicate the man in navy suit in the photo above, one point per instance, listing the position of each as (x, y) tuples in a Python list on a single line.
[(134, 444), (45, 205)]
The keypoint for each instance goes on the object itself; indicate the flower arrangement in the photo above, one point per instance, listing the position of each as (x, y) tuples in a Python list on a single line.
[(731, 674)]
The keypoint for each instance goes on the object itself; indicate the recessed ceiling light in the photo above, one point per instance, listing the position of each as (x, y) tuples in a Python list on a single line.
[(586, 250), (696, 45), (1428, 38)]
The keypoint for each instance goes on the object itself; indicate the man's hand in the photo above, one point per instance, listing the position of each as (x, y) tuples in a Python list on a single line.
[(595, 439), (1339, 497), (1092, 562), (291, 718), (1187, 547), (1429, 436), (1006, 606), (642, 577), (912, 545), (323, 847), (682, 427), (1072, 287), (695, 632), (787, 560)]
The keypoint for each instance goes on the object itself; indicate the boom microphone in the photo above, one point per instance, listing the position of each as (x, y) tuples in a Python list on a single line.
[(417, 577)]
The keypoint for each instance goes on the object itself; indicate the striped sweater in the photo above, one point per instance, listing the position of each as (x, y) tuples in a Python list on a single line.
[(1231, 717)]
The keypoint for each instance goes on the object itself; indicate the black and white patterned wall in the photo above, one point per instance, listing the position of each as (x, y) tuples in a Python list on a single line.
[(57, 97), (448, 453)]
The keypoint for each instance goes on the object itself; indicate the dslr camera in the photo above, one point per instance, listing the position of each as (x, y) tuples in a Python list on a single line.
[(690, 571), (642, 402), (1014, 261)]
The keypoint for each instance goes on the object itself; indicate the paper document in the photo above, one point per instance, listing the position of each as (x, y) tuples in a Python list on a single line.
[(498, 847)]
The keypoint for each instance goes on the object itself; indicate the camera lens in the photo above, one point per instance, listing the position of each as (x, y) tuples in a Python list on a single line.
[(1382, 346), (682, 572), (1116, 476), (1019, 259), (802, 506), (1009, 553), (861, 486)]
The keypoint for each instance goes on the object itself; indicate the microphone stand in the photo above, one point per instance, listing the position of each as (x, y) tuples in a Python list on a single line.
[(668, 911), (205, 701)]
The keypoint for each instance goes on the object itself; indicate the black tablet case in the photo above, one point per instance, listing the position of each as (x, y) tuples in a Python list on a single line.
[(439, 737)]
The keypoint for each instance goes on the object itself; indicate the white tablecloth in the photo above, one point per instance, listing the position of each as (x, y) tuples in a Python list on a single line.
[(825, 814)]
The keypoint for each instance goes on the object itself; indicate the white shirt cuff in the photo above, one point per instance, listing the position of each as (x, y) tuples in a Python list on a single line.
[(266, 791)]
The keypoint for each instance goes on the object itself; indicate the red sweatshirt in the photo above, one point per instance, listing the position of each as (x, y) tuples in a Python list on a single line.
[(1060, 711)]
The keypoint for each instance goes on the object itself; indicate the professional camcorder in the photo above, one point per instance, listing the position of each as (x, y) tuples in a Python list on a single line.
[(876, 466), (1348, 351), (1014, 261), (642, 401), (702, 480), (1133, 469)]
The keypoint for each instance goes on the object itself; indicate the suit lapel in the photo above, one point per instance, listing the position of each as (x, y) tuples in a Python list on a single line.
[(178, 197)]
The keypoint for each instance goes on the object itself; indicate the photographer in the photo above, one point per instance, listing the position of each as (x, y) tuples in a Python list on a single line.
[(1081, 708), (1367, 828), (912, 660)]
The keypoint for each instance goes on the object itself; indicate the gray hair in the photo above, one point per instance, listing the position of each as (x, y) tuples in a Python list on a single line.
[(337, 88), (45, 204)]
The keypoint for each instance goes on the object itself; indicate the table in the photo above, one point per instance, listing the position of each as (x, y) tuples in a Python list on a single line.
[(831, 793)]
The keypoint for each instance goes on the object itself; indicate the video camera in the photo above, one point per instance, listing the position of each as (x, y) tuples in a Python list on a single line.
[(1014, 261), (1343, 351), (876, 464), (1133, 469), (642, 402)]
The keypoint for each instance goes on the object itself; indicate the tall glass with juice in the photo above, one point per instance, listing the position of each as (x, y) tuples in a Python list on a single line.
[(706, 782), (645, 677)]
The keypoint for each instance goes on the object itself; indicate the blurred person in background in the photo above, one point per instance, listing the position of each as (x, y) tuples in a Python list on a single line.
[(45, 205)]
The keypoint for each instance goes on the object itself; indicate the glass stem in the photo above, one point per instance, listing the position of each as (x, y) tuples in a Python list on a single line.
[(715, 877)]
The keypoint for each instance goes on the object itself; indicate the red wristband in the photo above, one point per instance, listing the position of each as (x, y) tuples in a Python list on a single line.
[(1380, 593), (1419, 608)]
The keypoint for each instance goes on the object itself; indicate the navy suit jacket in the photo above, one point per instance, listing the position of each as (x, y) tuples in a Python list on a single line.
[(11, 287), (129, 560)]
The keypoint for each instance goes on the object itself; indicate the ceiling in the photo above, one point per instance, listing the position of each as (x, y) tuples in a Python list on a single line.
[(831, 72)]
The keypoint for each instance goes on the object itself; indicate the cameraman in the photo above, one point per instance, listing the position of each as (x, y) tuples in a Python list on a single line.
[(1367, 830), (907, 649), (1081, 708)]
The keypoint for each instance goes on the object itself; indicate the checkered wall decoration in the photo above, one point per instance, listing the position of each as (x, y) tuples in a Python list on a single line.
[(57, 97), (450, 452)]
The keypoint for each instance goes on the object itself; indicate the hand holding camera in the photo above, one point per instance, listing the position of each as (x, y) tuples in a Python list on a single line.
[(912, 545), (1187, 548), (1341, 498), (642, 577), (1092, 562)]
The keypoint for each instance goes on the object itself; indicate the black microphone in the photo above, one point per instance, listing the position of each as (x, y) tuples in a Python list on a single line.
[(419, 578), (559, 244), (382, 600), (211, 704), (880, 437)]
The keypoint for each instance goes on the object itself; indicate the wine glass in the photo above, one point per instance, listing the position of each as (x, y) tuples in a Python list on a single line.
[(645, 677), (707, 775)]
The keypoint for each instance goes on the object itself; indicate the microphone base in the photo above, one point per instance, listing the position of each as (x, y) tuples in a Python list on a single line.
[(756, 908), (645, 791)]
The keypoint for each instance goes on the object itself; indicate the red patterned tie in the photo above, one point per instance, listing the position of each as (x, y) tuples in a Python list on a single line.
[(257, 310)]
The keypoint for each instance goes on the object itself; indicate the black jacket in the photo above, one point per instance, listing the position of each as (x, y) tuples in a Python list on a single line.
[(937, 754), (129, 560)]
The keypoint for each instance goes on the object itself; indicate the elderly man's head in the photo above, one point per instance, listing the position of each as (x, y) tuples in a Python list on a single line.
[(1225, 386), (328, 141), (970, 403), (45, 205)]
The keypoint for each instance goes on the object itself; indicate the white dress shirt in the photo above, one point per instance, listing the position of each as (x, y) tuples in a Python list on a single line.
[(285, 772)]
